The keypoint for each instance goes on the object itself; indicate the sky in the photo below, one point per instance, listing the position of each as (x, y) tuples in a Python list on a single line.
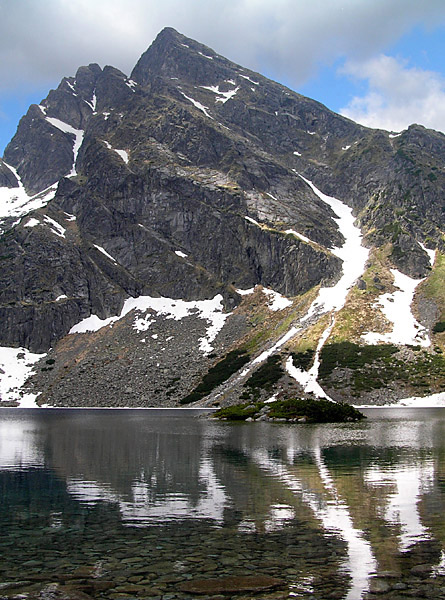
[(379, 62)]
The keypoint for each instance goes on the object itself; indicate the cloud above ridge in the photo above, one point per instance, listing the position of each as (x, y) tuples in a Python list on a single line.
[(397, 95), (49, 39)]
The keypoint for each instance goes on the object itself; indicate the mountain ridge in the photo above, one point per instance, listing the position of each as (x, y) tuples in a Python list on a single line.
[(189, 179)]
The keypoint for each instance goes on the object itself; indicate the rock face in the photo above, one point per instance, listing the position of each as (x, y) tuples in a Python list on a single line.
[(182, 181)]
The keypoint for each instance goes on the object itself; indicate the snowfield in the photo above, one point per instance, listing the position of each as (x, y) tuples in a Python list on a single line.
[(16, 365), (208, 310), (396, 307)]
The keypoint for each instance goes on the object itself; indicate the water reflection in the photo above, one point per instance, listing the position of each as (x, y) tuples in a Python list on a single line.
[(375, 486)]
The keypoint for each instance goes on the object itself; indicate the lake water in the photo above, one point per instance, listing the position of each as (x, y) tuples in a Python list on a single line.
[(140, 504)]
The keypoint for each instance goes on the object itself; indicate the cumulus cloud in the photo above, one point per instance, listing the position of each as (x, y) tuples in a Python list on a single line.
[(398, 95), (288, 39)]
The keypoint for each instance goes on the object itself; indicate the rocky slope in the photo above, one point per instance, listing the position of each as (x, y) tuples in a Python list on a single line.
[(190, 179)]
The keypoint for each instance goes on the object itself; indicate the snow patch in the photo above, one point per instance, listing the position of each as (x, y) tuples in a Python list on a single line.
[(302, 237), (16, 365), (332, 299), (252, 221), (181, 254), (346, 147), (395, 135), (205, 56), (396, 307), (209, 310), (222, 96), (78, 138), (131, 84), (32, 223), (55, 227), (15, 202), (297, 153), (105, 253), (311, 132), (70, 217), (248, 79), (61, 297), (431, 253), (276, 301), (245, 292), (198, 105), (122, 153)]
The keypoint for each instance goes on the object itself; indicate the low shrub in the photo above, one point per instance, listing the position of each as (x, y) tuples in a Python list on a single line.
[(220, 372)]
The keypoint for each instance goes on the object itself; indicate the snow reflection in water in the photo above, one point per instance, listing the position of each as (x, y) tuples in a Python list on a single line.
[(375, 485)]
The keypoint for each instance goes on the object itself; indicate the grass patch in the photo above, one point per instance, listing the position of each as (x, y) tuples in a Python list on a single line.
[(434, 285), (217, 374)]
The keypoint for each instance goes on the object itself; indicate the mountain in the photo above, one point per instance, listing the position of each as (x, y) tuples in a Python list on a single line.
[(136, 213)]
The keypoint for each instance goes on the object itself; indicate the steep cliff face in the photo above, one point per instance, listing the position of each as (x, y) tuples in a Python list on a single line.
[(184, 181)]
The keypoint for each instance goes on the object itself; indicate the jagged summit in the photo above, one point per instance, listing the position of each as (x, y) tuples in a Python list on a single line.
[(173, 55)]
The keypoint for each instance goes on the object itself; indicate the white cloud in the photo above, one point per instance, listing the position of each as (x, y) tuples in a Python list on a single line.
[(398, 95), (49, 39)]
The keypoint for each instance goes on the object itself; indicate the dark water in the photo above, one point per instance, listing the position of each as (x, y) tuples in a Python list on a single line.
[(132, 504)]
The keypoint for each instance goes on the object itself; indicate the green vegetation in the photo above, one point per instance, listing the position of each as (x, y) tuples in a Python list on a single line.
[(303, 360), (439, 327), (373, 367), (219, 373), (264, 377), (293, 410), (353, 356)]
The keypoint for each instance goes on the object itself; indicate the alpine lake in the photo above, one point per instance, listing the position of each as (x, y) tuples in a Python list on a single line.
[(170, 504)]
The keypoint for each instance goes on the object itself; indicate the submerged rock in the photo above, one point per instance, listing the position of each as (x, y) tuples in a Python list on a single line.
[(232, 584)]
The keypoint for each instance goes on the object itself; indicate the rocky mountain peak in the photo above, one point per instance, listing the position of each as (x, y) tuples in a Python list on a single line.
[(197, 177), (175, 56)]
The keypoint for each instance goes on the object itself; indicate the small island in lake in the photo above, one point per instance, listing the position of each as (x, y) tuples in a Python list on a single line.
[(293, 410)]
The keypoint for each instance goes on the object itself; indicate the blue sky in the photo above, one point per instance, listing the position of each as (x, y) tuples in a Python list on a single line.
[(379, 62)]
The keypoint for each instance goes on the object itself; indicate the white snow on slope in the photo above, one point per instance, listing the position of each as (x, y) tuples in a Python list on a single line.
[(205, 56), (352, 253), (222, 96), (275, 300), (300, 236), (78, 138), (131, 84), (122, 153), (105, 253), (432, 401), (209, 310), (55, 227), (15, 202), (431, 253), (32, 223), (16, 365), (396, 307), (198, 105), (252, 221), (248, 79), (245, 292), (93, 102), (332, 299), (181, 254)]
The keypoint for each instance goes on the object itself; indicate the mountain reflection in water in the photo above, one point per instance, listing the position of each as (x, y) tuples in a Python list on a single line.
[(376, 486)]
